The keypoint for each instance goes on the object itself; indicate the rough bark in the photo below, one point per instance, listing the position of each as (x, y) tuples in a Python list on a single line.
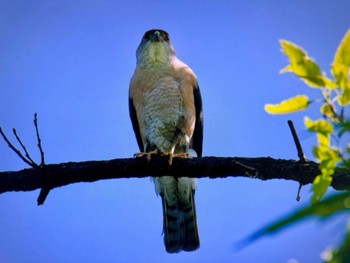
[(265, 168)]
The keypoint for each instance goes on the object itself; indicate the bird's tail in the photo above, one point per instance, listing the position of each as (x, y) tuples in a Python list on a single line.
[(180, 220)]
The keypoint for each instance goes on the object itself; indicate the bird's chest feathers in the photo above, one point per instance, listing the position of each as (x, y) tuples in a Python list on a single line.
[(163, 104)]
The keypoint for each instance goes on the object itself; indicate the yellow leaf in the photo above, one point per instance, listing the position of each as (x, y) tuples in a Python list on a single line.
[(327, 110), (328, 157), (344, 98), (341, 62), (294, 52), (328, 83), (323, 140), (342, 56), (303, 66), (320, 186), (320, 126), (294, 104)]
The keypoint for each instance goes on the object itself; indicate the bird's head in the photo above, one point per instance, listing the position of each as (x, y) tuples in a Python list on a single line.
[(155, 49)]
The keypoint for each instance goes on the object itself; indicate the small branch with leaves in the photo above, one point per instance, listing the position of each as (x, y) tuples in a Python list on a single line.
[(332, 130)]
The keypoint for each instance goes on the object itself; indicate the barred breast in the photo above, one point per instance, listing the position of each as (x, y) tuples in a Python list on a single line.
[(163, 113)]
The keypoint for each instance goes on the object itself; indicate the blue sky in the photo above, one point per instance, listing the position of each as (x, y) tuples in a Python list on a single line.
[(71, 62)]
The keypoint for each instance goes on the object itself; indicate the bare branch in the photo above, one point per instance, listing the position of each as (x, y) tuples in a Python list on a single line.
[(16, 150), (47, 177), (39, 140), (33, 164), (297, 142), (298, 194), (300, 151), (45, 190), (57, 175)]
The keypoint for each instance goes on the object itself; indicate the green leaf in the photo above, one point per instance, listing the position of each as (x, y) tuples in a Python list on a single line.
[(341, 62), (324, 152), (344, 98), (342, 56), (327, 111), (344, 127), (328, 157), (324, 142), (320, 186), (341, 254), (346, 163), (303, 66), (329, 84), (294, 104), (320, 126), (323, 209)]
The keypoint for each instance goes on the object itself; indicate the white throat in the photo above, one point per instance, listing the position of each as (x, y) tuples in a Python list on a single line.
[(155, 54)]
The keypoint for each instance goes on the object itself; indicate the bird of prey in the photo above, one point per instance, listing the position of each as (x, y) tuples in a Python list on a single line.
[(166, 112)]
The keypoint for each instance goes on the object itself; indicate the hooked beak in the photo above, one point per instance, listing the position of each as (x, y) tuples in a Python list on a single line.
[(156, 36)]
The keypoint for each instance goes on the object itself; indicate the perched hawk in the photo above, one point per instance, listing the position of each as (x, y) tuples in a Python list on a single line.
[(166, 113)]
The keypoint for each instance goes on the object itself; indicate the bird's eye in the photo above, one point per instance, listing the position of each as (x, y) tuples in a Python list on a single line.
[(166, 37), (146, 37)]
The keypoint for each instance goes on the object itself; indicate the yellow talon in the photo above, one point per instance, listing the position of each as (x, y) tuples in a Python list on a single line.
[(147, 154), (172, 155)]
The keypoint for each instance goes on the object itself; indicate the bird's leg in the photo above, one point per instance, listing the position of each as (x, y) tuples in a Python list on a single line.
[(176, 140), (176, 155), (147, 154)]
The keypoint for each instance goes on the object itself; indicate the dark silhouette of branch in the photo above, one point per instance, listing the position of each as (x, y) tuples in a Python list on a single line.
[(39, 140), (33, 164), (57, 175), (45, 190), (300, 151), (24, 159), (47, 177)]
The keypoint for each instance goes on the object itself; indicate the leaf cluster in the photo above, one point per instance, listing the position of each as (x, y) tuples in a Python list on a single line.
[(335, 98), (329, 129)]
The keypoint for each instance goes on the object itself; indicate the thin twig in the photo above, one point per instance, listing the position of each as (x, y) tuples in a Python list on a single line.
[(299, 189), (299, 150), (297, 142), (16, 151), (39, 140), (25, 150), (44, 192)]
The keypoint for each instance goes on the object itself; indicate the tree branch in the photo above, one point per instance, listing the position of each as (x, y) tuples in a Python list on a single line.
[(47, 177), (300, 151), (24, 159), (42, 163), (266, 168)]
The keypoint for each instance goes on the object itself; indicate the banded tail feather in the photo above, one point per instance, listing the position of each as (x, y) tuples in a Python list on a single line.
[(180, 223)]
